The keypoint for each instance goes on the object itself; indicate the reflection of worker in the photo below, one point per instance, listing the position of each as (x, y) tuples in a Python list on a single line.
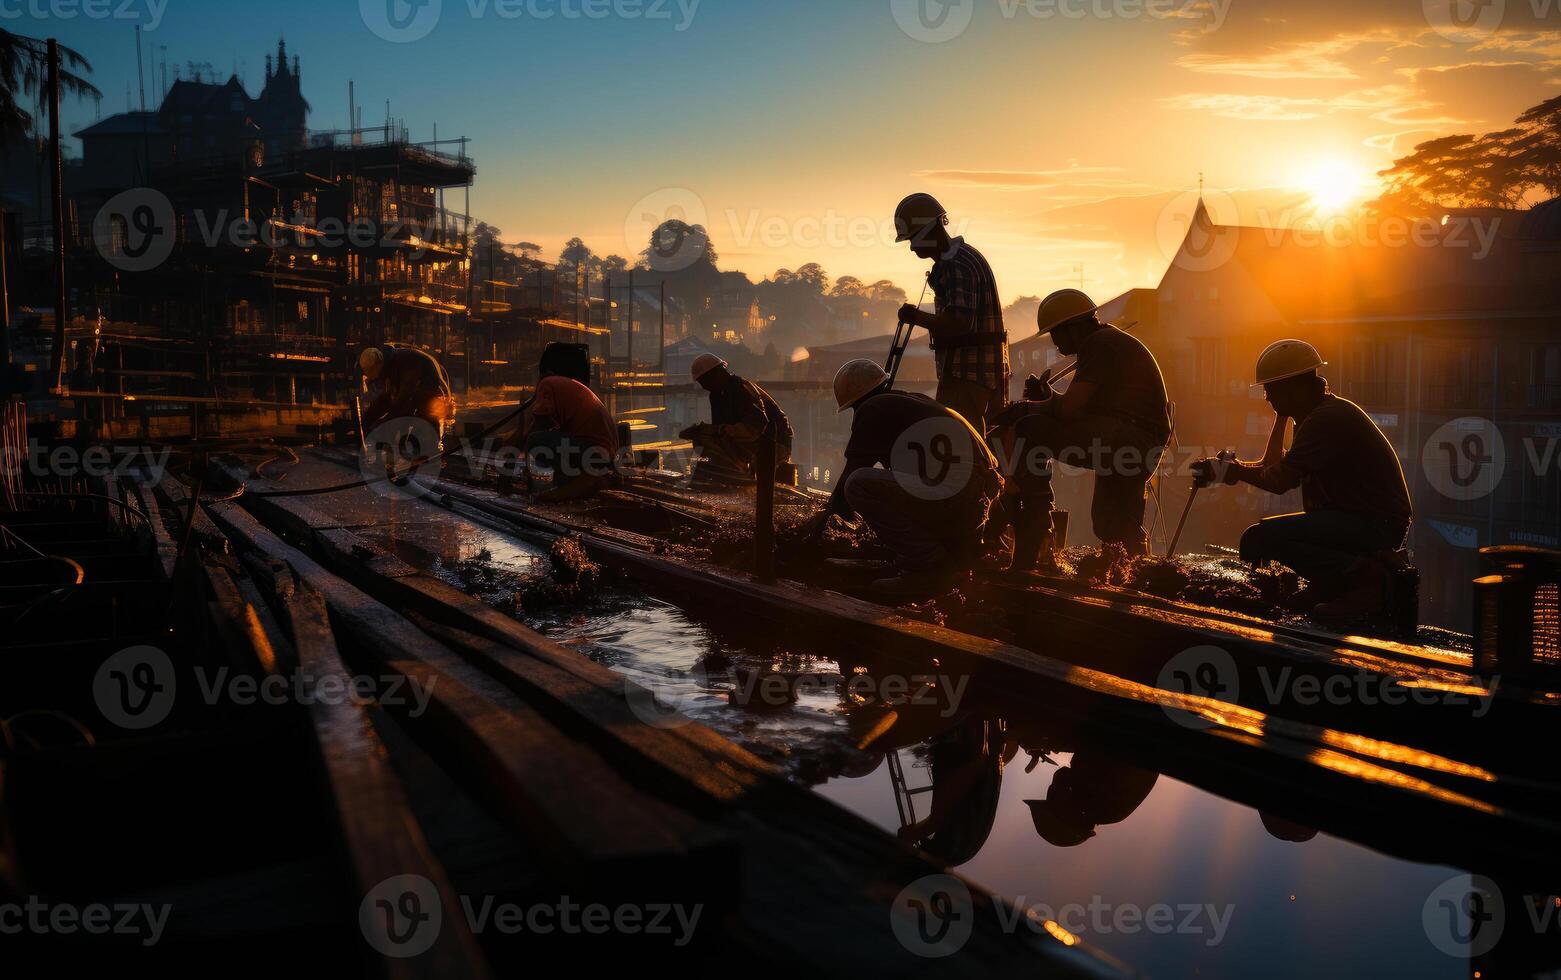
[(1092, 789), (568, 430), (929, 500), (968, 341), (1356, 504), (412, 386), (739, 412), (965, 764), (1114, 419)]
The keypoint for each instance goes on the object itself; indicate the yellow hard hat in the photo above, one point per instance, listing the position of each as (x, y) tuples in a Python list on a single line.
[(915, 213), (1062, 306), (1287, 359), (371, 362), (704, 364), (856, 380)]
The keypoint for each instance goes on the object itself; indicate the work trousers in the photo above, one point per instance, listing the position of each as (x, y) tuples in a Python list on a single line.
[(923, 534), (1122, 455), (969, 398), (1322, 544)]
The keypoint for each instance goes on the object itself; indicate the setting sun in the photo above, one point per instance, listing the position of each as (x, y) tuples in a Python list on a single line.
[(1334, 185)]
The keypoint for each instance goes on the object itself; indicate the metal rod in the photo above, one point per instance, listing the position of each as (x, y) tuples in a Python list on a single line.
[(1183, 522)]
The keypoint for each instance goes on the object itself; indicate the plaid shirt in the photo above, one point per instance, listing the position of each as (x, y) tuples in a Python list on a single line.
[(963, 282)]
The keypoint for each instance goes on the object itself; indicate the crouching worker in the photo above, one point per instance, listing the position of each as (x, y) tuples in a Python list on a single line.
[(920, 477), (413, 406), (1356, 504), (568, 430), (740, 411), (1114, 419)]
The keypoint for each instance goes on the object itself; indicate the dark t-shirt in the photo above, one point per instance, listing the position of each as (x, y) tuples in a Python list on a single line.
[(1344, 462), (1129, 384), (741, 402), (929, 443)]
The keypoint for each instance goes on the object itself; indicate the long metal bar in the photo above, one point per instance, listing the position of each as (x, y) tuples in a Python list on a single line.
[(57, 175)]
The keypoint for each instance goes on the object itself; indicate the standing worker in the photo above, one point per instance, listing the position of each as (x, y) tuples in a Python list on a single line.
[(740, 411), (1356, 504), (929, 501), (1114, 419), (412, 385), (969, 345)]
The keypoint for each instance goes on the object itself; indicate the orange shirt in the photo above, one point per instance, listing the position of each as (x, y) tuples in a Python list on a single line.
[(575, 409)]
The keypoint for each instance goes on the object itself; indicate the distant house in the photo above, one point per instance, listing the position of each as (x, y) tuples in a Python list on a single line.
[(823, 361), (731, 314), (200, 123)]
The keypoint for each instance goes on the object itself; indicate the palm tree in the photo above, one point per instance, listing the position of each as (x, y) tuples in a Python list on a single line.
[(23, 71)]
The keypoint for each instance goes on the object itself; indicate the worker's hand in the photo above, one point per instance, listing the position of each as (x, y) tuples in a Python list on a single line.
[(910, 313), (1038, 389), (1218, 469)]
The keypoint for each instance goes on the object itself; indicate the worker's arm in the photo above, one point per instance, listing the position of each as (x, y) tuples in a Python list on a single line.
[(377, 411), (952, 320), (1276, 441), (1071, 403), (1274, 478)]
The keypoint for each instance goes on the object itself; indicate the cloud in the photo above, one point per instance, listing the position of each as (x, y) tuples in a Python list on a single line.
[(1310, 59), (1010, 179), (1269, 108)]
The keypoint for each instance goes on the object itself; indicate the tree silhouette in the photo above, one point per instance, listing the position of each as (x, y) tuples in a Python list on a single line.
[(23, 72)]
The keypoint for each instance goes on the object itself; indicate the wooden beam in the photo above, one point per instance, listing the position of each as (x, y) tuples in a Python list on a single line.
[(381, 836)]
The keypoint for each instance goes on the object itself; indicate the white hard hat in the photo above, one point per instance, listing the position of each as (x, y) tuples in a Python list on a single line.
[(704, 364), (856, 380), (1287, 359), (371, 362), (1062, 306)]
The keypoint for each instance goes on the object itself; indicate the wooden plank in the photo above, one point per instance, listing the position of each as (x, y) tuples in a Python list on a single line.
[(162, 539), (179, 504), (564, 795), (380, 834)]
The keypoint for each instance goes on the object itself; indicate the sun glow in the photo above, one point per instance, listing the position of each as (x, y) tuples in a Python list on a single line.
[(1333, 185)]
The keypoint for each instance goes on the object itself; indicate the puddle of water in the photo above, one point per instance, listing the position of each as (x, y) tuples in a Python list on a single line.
[(1173, 880)]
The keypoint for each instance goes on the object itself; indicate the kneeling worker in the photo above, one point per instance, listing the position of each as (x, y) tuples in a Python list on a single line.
[(412, 386), (568, 430), (740, 411), (1114, 419), (1356, 503), (929, 500)]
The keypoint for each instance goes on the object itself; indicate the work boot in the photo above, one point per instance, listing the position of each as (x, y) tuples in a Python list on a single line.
[(1364, 595), (916, 585), (1032, 532)]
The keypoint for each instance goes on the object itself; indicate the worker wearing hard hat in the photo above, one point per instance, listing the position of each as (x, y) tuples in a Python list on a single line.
[(567, 429), (740, 411), (1113, 419), (1094, 789), (970, 347), (412, 385), (918, 474), (1356, 503)]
